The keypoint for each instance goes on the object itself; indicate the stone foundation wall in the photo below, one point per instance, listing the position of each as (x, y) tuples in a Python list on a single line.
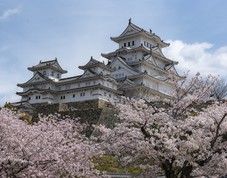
[(89, 112)]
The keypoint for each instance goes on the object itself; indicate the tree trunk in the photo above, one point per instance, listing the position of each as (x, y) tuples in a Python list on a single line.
[(173, 172)]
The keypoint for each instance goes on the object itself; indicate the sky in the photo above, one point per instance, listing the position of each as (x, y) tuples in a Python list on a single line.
[(75, 30)]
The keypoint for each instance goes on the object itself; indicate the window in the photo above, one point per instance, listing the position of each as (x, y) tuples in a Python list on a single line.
[(58, 76), (52, 73), (104, 93), (110, 95), (133, 43), (82, 94), (67, 87), (29, 98), (74, 95), (87, 83), (128, 43), (37, 97), (124, 44), (62, 97)]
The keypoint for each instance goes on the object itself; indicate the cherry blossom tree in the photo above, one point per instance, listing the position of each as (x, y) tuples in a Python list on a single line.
[(49, 148), (181, 137)]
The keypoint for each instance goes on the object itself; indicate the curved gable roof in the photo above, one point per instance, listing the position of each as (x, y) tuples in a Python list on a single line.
[(36, 79), (133, 29), (53, 64)]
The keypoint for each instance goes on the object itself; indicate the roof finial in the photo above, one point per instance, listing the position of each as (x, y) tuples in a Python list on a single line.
[(91, 57), (130, 20), (56, 58), (150, 31)]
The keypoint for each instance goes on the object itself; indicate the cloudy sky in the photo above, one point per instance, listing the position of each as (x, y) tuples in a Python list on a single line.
[(75, 30)]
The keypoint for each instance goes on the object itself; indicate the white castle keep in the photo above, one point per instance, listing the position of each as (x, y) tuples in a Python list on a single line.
[(137, 69)]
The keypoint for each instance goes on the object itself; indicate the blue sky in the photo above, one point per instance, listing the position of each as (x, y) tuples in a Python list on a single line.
[(75, 30)]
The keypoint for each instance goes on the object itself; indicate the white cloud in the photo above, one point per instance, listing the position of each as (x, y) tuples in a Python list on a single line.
[(198, 57), (6, 14)]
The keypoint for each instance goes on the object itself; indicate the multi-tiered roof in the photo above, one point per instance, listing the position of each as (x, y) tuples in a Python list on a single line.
[(137, 69)]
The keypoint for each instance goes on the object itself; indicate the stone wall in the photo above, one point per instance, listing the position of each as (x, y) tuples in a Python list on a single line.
[(89, 112)]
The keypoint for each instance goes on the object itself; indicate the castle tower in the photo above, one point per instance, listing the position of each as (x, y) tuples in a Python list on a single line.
[(139, 64)]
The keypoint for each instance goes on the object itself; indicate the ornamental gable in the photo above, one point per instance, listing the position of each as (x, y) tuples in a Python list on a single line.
[(120, 67), (87, 74), (36, 78), (127, 83), (128, 31), (158, 51), (57, 66)]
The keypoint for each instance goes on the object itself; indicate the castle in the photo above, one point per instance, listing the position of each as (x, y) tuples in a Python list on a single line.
[(137, 69)]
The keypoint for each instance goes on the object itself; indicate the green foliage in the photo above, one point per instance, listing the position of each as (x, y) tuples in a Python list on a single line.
[(25, 117), (109, 163), (8, 106)]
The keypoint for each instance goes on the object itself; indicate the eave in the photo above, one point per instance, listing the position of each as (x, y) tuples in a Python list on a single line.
[(34, 69), (22, 85), (77, 79), (164, 58), (99, 86), (148, 63), (114, 54), (35, 90), (146, 75), (95, 65), (143, 33)]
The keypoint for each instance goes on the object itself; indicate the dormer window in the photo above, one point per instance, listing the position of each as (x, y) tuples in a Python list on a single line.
[(44, 72)]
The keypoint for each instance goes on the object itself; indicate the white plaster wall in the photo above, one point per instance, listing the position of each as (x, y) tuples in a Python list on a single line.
[(166, 88), (135, 39), (148, 42), (86, 95), (49, 73)]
